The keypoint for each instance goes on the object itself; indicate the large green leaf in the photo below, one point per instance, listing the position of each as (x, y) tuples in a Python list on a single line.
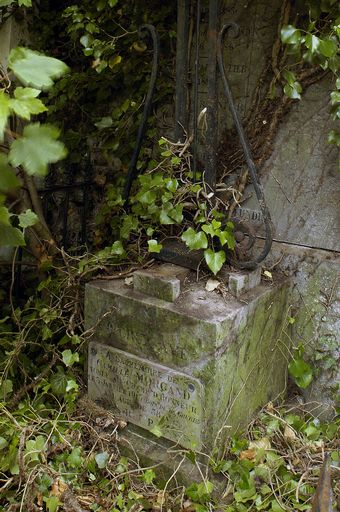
[(227, 237), (4, 112), (312, 42), (35, 69), (333, 138), (195, 240), (214, 260), (8, 179), (154, 246), (27, 219), (290, 34), (327, 47), (4, 216), (37, 148), (25, 102), (12, 237), (301, 371)]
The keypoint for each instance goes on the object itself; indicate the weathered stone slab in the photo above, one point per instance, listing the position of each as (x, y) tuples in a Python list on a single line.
[(300, 180), (171, 333), (147, 394), (163, 281), (232, 351), (241, 282)]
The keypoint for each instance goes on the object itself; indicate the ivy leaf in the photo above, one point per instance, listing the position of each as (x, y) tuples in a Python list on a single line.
[(195, 240), (11, 237), (164, 219), (335, 97), (59, 382), (75, 460), (147, 196), (37, 148), (172, 184), (105, 122), (71, 384), (4, 112), (154, 246), (176, 213), (312, 42), (3, 443), (25, 102), (301, 371), (70, 357), (102, 459), (209, 230), (327, 47), (148, 476), (8, 179), (293, 91), (4, 216), (289, 76), (333, 138), (214, 260), (35, 69), (117, 248), (156, 431), (290, 34), (276, 507), (25, 3), (129, 224), (170, 214), (227, 237), (27, 219), (6, 388), (52, 503)]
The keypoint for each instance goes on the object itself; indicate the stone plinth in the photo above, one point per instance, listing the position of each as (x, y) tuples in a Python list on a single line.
[(192, 370)]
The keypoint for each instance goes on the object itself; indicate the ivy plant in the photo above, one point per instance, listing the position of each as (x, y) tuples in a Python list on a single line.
[(31, 151), (316, 43)]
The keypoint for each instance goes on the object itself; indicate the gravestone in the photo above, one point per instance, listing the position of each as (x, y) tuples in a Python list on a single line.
[(192, 369)]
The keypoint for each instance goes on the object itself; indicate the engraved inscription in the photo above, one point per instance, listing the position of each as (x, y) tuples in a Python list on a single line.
[(147, 394)]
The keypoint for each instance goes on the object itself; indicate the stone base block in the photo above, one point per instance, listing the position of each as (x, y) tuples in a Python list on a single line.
[(193, 370)]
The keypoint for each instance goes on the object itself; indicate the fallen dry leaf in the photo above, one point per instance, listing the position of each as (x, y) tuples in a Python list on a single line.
[(263, 444), (128, 281), (248, 454), (58, 488), (212, 284), (289, 434), (268, 274)]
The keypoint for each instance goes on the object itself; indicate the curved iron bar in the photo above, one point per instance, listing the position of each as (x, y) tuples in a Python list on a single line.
[(247, 154), (132, 173), (196, 78)]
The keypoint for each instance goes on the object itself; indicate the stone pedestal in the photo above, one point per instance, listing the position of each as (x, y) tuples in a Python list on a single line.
[(190, 367)]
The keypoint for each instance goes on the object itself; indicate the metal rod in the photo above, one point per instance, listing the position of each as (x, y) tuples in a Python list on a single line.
[(181, 107), (196, 79), (66, 204), (132, 172), (86, 198), (211, 136), (247, 154)]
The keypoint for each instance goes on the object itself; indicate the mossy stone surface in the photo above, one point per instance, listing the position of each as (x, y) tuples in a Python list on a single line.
[(234, 350)]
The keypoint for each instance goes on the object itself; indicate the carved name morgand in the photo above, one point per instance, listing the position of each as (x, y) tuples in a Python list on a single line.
[(146, 394)]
